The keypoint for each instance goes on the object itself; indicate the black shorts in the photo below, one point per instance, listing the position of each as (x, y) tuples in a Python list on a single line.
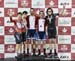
[(18, 37), (51, 32), (42, 35), (23, 36), (31, 33)]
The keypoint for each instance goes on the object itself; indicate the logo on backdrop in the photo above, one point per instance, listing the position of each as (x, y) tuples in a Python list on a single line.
[(65, 56), (64, 39), (10, 11), (24, 3), (64, 21), (72, 30), (51, 3), (10, 48), (11, 3), (38, 3)]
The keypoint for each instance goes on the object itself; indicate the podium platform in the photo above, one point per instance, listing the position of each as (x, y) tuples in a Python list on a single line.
[(38, 58)]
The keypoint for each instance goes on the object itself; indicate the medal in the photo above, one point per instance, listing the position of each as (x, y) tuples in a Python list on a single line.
[(49, 18)]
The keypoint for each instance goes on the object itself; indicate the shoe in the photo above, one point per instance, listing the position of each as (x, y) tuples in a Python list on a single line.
[(50, 55), (55, 55), (34, 54)]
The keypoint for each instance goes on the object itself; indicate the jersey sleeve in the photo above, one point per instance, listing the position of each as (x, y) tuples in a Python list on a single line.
[(56, 14), (11, 20)]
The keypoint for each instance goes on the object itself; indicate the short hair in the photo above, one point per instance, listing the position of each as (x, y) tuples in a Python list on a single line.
[(31, 8), (49, 9), (41, 11), (19, 13), (25, 12)]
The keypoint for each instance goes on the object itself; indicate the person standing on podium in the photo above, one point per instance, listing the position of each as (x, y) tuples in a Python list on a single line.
[(51, 29)]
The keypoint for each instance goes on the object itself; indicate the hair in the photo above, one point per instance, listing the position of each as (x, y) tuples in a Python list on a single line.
[(31, 8), (49, 9), (25, 12), (42, 12), (19, 13)]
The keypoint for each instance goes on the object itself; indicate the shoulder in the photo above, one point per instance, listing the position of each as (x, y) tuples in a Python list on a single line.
[(46, 17), (55, 14), (28, 16), (37, 17)]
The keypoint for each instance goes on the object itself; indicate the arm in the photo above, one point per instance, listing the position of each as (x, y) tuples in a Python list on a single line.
[(46, 24), (26, 27), (25, 24), (62, 11), (11, 20), (46, 30)]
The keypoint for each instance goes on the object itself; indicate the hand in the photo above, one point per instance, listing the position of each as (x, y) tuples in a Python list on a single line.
[(47, 33), (63, 6), (26, 29), (10, 14)]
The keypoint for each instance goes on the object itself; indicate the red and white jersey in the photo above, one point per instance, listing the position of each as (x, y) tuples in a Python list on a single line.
[(19, 26), (41, 24), (31, 22)]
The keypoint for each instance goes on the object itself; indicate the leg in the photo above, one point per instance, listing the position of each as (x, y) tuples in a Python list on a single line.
[(33, 42), (39, 51), (24, 41), (18, 49), (28, 40), (49, 37), (44, 48), (34, 47), (24, 47), (55, 46), (27, 47), (50, 46), (21, 44)]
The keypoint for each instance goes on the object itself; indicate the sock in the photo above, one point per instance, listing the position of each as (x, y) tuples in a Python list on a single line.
[(34, 51), (55, 52), (24, 52), (39, 52), (50, 52), (27, 51), (44, 51), (17, 53)]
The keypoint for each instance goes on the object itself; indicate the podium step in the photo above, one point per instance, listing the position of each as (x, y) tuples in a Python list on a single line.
[(40, 58)]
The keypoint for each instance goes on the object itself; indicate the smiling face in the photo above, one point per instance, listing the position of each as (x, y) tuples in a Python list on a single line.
[(24, 16), (49, 11), (32, 11), (41, 14), (19, 17)]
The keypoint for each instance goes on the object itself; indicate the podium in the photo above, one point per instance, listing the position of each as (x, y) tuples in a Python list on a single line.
[(38, 58)]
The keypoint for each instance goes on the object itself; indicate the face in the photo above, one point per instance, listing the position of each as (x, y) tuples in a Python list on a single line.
[(19, 16), (32, 11), (41, 14), (24, 16), (49, 12)]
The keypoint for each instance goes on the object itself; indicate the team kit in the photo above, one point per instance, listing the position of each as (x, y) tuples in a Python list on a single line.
[(35, 28)]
